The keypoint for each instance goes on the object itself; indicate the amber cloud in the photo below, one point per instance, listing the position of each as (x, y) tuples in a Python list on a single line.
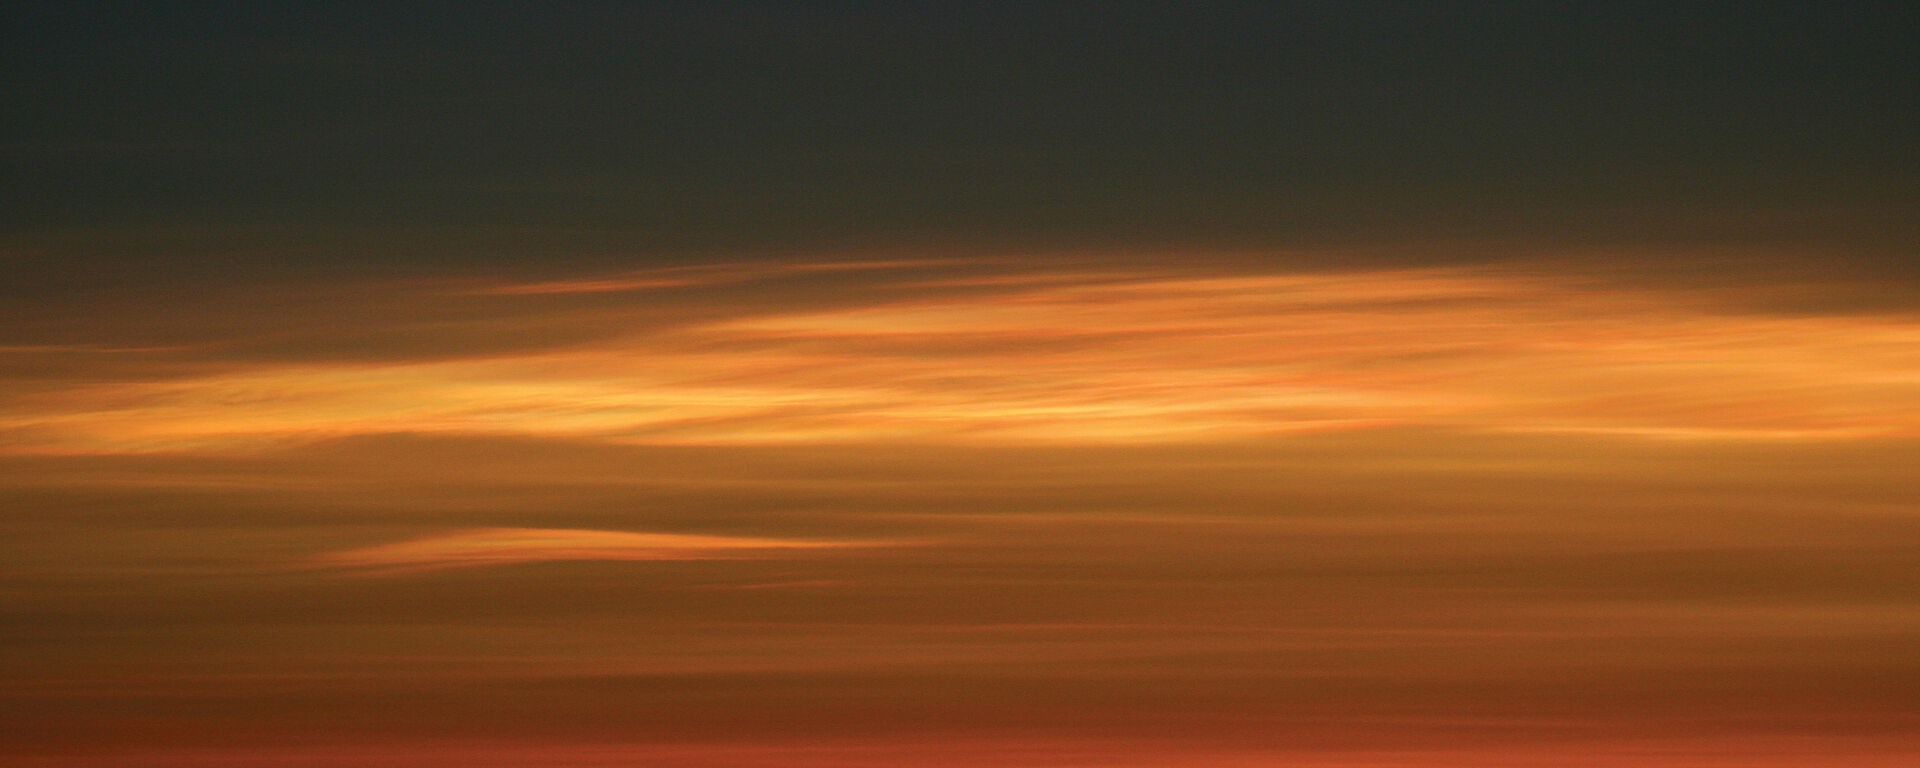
[(505, 546), (1054, 356), (1063, 512)]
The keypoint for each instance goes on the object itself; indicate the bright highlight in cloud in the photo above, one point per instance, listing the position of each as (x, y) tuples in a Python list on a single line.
[(504, 546), (1058, 357)]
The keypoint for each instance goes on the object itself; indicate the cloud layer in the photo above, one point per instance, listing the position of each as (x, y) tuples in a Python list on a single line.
[(970, 514), (1061, 355), (504, 546)]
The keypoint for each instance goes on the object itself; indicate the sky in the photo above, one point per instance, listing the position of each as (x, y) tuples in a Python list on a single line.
[(959, 384)]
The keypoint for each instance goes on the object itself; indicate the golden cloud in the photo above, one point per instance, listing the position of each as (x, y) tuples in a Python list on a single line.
[(470, 547), (1073, 357)]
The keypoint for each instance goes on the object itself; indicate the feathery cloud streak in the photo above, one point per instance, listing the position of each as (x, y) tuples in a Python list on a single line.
[(504, 546), (1058, 357)]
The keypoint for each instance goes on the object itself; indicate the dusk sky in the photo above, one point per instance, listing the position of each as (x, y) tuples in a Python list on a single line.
[(965, 385)]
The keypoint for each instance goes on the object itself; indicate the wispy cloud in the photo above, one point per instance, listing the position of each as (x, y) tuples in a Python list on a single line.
[(1076, 357), (469, 547)]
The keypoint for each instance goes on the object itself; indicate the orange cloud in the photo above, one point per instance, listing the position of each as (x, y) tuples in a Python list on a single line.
[(1076, 357), (504, 546)]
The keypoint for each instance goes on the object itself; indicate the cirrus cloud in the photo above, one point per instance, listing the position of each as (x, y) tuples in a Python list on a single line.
[(470, 547)]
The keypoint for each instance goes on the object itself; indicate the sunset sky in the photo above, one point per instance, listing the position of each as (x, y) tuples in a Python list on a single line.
[(977, 385)]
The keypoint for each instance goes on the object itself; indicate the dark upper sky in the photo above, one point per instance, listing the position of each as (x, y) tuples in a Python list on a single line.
[(449, 131)]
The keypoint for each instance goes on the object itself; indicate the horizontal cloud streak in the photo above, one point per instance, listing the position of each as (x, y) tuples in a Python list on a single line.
[(506, 546), (1067, 356)]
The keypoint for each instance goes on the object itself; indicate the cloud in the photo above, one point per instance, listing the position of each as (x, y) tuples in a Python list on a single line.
[(505, 546), (1068, 356)]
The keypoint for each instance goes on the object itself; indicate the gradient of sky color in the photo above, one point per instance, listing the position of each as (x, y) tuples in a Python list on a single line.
[(759, 384)]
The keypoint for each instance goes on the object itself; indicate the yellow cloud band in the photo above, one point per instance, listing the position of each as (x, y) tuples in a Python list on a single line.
[(504, 546)]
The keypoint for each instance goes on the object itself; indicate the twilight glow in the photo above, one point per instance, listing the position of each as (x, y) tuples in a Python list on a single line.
[(960, 385), (1158, 516)]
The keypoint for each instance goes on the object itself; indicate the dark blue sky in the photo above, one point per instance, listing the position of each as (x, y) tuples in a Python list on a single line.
[(453, 131)]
